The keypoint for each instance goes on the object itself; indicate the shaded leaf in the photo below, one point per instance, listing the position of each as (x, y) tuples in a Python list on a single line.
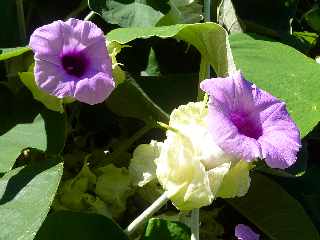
[(184, 87), (184, 11), (274, 211), (27, 123), (20, 137), (210, 39), (56, 131), (80, 226), (9, 24), (51, 102), (129, 100), (313, 18), (130, 13), (274, 14), (26, 195)]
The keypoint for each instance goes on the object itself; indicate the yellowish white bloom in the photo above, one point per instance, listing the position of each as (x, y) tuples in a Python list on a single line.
[(189, 165)]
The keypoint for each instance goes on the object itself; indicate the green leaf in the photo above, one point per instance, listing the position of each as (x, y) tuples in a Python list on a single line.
[(128, 13), (284, 72), (183, 85), (152, 68), (272, 14), (80, 226), (274, 211), (6, 53), (184, 11), (20, 137), (159, 229), (129, 100), (51, 102), (56, 131), (210, 39), (313, 18), (26, 195), (227, 17), (46, 133)]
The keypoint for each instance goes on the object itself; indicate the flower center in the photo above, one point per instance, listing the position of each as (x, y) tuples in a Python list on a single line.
[(246, 125), (74, 64)]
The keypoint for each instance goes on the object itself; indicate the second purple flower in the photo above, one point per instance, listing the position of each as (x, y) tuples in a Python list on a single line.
[(71, 60), (250, 123)]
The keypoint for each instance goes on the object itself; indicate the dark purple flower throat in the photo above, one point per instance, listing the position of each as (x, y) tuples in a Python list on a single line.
[(246, 125), (74, 64)]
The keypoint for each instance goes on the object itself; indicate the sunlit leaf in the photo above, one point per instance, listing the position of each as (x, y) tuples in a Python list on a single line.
[(26, 194), (159, 229)]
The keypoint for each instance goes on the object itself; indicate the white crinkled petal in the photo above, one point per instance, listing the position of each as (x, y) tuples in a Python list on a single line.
[(182, 175), (236, 182), (142, 168), (216, 176), (190, 120)]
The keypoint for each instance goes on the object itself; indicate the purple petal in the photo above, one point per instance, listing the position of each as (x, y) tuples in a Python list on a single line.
[(52, 79), (94, 90), (281, 139), (98, 62), (85, 32), (250, 123), (46, 43), (243, 232)]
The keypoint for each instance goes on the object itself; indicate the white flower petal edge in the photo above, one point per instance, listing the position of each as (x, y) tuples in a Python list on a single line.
[(142, 167), (236, 182)]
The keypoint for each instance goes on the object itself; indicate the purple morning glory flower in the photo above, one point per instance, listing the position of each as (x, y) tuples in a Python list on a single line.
[(243, 232), (71, 60), (250, 123)]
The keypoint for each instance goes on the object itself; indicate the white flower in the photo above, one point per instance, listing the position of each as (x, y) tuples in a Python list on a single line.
[(190, 166)]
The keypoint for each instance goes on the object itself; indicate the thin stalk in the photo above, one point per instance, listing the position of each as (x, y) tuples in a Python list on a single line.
[(89, 16), (205, 71), (195, 224), (21, 21), (82, 6), (207, 10), (208, 18), (143, 217)]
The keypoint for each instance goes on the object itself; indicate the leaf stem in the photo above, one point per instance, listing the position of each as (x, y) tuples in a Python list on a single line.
[(89, 16), (82, 6), (167, 127), (207, 10), (143, 217), (195, 224), (127, 143)]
